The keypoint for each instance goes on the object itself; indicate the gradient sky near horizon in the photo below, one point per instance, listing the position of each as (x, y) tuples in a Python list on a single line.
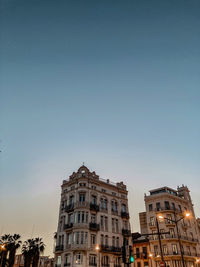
[(114, 84)]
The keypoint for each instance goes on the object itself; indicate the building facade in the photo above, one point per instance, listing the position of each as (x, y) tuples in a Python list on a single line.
[(141, 251), (93, 221), (166, 211)]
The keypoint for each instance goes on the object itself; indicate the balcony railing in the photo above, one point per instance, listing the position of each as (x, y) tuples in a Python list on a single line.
[(59, 248), (125, 214), (114, 212), (94, 207), (177, 253), (111, 249), (163, 208), (126, 232), (69, 207), (68, 226), (166, 236), (94, 226)]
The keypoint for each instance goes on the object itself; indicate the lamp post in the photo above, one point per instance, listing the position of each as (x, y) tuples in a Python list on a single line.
[(187, 214), (159, 239)]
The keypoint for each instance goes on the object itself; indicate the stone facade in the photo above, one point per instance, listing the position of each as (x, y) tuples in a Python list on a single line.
[(93, 221), (172, 205)]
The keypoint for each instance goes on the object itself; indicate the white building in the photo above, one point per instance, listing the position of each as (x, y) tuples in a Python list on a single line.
[(93, 221)]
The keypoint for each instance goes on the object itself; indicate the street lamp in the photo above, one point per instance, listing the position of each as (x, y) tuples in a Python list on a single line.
[(187, 215)]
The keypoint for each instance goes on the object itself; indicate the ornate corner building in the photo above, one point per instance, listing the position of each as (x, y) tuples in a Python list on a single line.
[(93, 221), (179, 235)]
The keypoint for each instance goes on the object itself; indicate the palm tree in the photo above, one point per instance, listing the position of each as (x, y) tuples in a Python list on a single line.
[(27, 252), (31, 249), (39, 247), (12, 243)]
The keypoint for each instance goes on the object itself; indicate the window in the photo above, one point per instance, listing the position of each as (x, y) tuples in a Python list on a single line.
[(93, 260), (93, 187), (150, 207), (77, 237), (144, 251), (167, 207), (117, 225), (169, 218), (156, 250), (137, 253), (152, 221), (93, 239), (82, 237), (158, 206), (188, 251), (71, 200), (101, 223), (93, 218), (94, 200), (180, 209), (103, 190), (113, 225), (102, 240), (165, 250), (82, 184), (171, 232), (79, 217), (79, 258), (173, 206), (105, 260), (68, 259), (113, 241), (174, 249), (106, 240), (117, 242), (82, 197), (106, 224), (123, 208)]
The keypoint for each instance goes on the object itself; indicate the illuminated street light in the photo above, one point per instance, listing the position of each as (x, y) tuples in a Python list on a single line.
[(186, 215)]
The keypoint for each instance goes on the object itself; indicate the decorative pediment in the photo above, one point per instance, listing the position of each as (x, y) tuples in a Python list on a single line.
[(83, 171)]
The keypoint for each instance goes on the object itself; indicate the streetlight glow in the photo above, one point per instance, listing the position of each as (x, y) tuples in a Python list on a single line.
[(97, 247)]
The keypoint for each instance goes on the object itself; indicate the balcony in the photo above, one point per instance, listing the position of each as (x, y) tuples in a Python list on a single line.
[(82, 204), (152, 224), (110, 249), (59, 248), (94, 207), (114, 212), (126, 232), (68, 226), (125, 215), (94, 227), (69, 207)]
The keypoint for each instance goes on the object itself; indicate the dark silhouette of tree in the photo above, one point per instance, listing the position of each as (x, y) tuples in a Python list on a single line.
[(31, 250), (12, 243), (38, 249)]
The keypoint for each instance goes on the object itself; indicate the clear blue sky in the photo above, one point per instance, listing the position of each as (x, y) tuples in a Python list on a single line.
[(115, 84)]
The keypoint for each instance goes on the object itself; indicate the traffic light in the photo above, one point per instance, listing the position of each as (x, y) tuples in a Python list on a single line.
[(131, 257), (124, 254)]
